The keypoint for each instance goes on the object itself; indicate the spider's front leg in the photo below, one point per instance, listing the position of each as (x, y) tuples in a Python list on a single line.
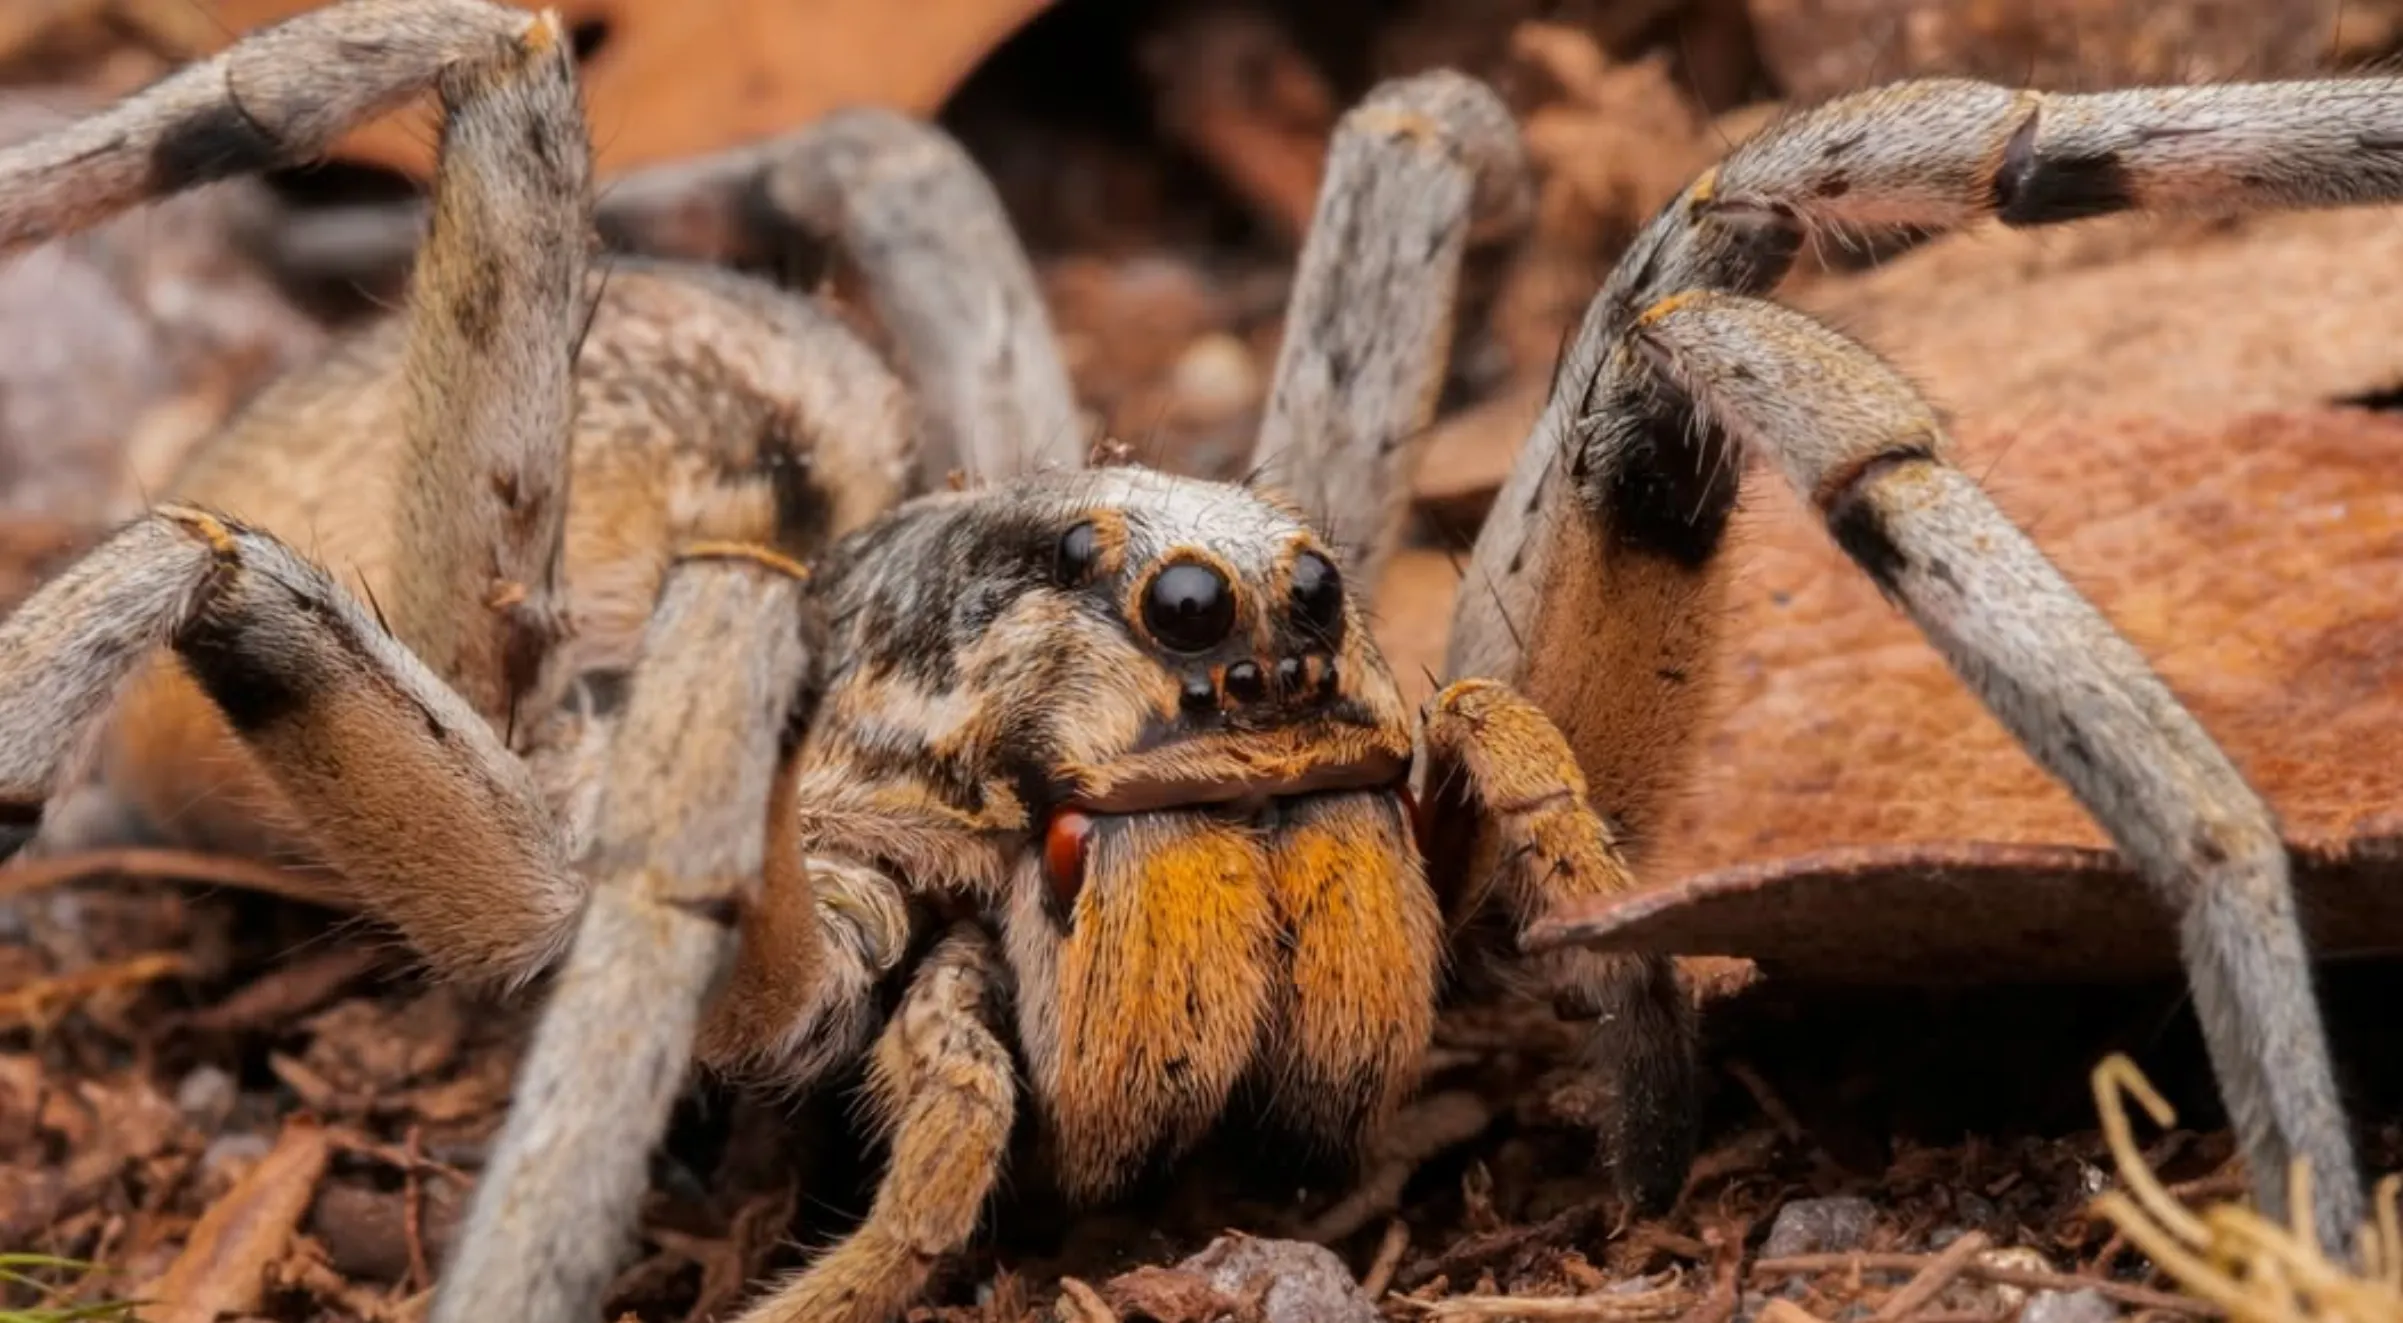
[(1512, 835), (677, 865)]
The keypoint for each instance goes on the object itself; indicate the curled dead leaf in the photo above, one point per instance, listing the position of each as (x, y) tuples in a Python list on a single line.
[(224, 1264)]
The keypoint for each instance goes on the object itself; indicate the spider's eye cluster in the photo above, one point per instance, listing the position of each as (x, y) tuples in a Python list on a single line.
[(1189, 607), (1317, 594), (1072, 562)]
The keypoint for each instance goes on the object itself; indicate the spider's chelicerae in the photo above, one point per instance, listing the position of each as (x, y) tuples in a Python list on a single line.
[(1078, 805)]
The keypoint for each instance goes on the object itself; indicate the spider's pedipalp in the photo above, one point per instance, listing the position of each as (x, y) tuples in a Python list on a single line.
[(1862, 447), (675, 867), (1415, 171), (1513, 830), (944, 1089), (280, 96)]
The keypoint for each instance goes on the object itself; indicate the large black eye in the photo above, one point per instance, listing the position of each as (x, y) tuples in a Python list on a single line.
[(1072, 563), (1317, 594), (1189, 608)]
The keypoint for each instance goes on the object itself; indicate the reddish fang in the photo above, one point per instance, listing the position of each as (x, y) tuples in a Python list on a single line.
[(1065, 841)]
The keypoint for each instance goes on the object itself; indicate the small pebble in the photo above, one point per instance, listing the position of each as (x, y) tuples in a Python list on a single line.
[(2080, 1306), (1820, 1226), (2016, 1256), (206, 1096), (228, 1157), (1308, 1283)]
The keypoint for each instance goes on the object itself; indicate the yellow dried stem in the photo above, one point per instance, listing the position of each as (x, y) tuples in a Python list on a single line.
[(2232, 1256)]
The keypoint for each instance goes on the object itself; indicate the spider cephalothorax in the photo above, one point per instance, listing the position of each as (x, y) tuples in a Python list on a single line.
[(1178, 759), (1082, 796)]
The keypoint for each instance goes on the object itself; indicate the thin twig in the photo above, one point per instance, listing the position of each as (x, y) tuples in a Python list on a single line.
[(169, 865), (403, 1160), (1388, 1258), (1666, 1302), (42, 999), (413, 1198), (1083, 1304), (2001, 1274), (1772, 1106), (1931, 1280), (1725, 1245), (1476, 1251)]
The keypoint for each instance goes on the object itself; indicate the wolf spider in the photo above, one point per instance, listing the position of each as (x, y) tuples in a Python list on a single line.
[(1075, 805)]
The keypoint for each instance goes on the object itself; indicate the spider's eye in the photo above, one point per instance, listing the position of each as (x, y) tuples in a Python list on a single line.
[(1073, 562), (1317, 594), (1189, 607)]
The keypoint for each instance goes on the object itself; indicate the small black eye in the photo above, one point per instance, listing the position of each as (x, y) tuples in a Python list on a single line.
[(1073, 562), (1317, 593), (1189, 607)]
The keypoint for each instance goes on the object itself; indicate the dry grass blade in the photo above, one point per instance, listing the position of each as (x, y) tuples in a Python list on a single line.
[(2232, 1256), (1665, 1302), (17, 1270)]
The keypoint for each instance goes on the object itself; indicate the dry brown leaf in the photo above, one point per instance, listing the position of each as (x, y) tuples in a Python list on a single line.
[(223, 1267), (671, 79)]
